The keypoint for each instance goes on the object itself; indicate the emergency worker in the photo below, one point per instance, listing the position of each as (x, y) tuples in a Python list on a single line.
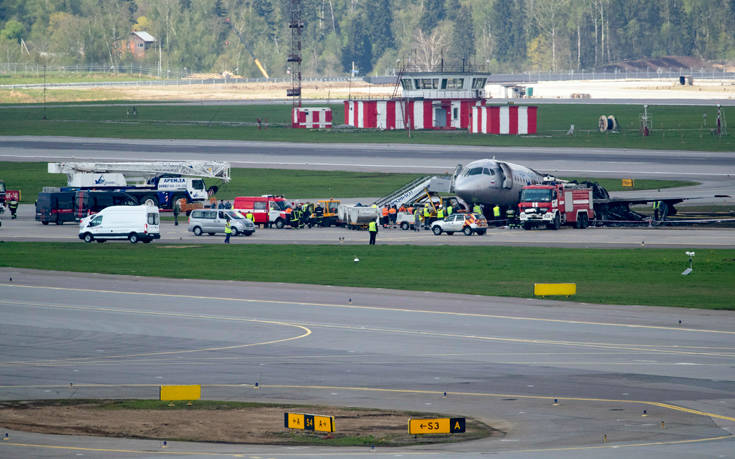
[(417, 220), (250, 216), (427, 215), (440, 213), (496, 212), (385, 218), (13, 208), (228, 231), (373, 230), (177, 209), (656, 209), (450, 209), (393, 215), (477, 209)]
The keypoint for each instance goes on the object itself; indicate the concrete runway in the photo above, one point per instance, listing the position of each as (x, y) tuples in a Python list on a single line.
[(501, 360)]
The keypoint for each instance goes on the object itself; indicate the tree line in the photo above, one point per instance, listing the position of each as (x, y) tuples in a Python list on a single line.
[(372, 36)]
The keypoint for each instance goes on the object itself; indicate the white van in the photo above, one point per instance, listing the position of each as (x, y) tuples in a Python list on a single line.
[(134, 223)]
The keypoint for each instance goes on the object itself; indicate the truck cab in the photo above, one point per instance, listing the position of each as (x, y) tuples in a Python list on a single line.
[(554, 204)]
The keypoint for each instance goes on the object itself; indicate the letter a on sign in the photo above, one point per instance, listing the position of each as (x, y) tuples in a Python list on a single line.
[(457, 425)]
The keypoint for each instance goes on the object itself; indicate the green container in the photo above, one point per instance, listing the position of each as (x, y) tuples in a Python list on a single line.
[(529, 91)]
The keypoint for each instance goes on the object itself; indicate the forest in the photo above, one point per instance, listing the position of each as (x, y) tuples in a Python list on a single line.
[(377, 37)]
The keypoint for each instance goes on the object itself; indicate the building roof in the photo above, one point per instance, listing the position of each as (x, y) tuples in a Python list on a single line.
[(145, 36)]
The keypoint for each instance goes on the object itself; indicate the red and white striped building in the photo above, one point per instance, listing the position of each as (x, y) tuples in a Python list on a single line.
[(504, 119), (441, 100), (311, 117)]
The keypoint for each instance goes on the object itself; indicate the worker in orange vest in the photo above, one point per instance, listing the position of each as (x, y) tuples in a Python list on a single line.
[(385, 219), (392, 214)]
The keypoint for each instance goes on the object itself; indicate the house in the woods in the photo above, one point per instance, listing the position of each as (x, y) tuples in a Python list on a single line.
[(138, 43)]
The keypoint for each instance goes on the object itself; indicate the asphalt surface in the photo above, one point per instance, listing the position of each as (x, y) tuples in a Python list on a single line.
[(502, 360), (26, 228)]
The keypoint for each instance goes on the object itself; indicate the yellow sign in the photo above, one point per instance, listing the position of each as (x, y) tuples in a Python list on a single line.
[(308, 422), (628, 182), (181, 392), (436, 426), (554, 289)]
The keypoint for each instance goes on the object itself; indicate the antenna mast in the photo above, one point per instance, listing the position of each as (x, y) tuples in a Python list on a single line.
[(294, 57)]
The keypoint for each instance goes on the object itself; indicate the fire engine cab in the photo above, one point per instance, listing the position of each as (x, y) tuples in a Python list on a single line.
[(555, 203)]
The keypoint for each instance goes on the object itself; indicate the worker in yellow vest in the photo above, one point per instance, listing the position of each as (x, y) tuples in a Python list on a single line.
[(440, 213), (373, 230), (450, 209), (496, 212), (228, 231), (477, 209)]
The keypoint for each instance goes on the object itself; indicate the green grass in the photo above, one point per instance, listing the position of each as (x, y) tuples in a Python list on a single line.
[(639, 184), (625, 276), (675, 127), (30, 178)]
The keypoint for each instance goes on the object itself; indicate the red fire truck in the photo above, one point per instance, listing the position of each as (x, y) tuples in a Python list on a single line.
[(267, 210), (556, 203)]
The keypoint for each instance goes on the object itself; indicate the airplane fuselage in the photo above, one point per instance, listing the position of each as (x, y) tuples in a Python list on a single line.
[(490, 182)]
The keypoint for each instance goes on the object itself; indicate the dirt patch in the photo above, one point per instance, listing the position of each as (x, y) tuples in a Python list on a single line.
[(220, 422)]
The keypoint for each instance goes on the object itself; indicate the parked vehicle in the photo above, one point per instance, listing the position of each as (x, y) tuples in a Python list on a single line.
[(157, 183), (69, 206), (556, 203), (267, 210), (213, 221), (7, 196), (134, 223), (467, 223), (357, 217)]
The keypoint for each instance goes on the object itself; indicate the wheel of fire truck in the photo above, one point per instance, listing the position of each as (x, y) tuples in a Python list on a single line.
[(467, 231), (556, 224), (279, 223), (404, 226), (150, 201), (436, 230)]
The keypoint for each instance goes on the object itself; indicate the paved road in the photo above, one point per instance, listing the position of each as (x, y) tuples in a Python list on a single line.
[(25, 228), (501, 360)]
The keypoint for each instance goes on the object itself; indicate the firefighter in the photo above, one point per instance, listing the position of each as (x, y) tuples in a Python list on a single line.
[(295, 217), (13, 208), (656, 208), (373, 230)]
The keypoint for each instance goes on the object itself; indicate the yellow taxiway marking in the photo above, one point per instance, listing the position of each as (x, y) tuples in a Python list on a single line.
[(52, 362), (492, 395), (374, 308)]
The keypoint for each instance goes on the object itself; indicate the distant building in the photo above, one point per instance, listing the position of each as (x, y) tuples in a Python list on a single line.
[(442, 99), (139, 42)]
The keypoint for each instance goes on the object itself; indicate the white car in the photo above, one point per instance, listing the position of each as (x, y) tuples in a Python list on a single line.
[(468, 224)]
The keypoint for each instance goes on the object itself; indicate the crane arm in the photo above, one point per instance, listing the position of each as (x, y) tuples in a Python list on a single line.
[(211, 169)]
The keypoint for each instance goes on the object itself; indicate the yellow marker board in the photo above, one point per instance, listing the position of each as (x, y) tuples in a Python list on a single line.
[(308, 422), (554, 289), (436, 426), (628, 182), (181, 392)]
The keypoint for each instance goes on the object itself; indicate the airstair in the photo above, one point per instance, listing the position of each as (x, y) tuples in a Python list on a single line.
[(415, 189)]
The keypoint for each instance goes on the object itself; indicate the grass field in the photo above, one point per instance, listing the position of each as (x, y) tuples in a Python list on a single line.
[(630, 276), (674, 127), (31, 177)]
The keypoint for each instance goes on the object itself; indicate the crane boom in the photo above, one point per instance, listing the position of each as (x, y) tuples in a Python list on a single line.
[(211, 169)]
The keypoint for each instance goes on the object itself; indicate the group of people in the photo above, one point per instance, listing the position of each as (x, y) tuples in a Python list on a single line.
[(305, 214)]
